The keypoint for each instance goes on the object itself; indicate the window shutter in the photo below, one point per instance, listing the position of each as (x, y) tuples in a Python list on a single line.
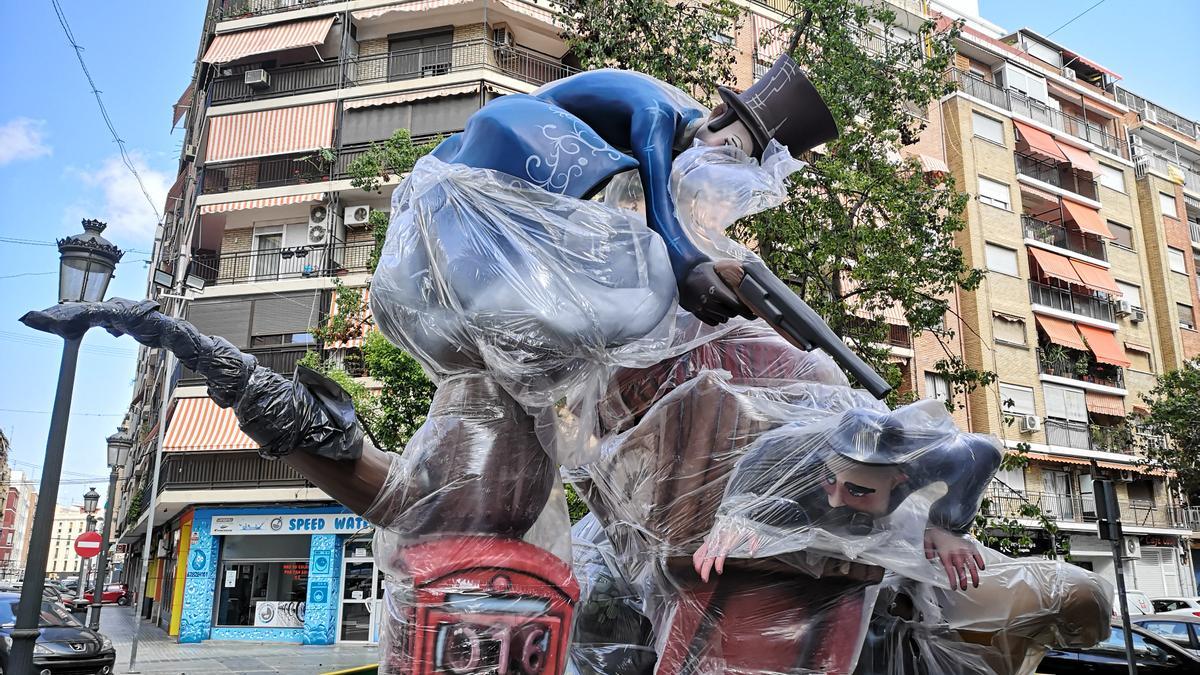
[(286, 313), (1008, 329), (1065, 403), (229, 319), (1021, 397)]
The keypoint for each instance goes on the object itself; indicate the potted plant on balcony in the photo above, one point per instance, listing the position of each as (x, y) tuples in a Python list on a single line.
[(315, 166)]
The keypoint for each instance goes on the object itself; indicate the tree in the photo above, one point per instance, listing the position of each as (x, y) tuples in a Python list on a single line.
[(1175, 411)]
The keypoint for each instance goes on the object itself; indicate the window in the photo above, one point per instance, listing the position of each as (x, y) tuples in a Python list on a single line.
[(1139, 358), (1011, 77), (1186, 318), (1131, 293), (1042, 52), (1010, 329), (1001, 259), (988, 128), (1065, 403), (936, 387), (1122, 235), (1016, 400), (1176, 261), (263, 570), (1013, 478), (1112, 177), (1175, 631), (420, 54), (994, 193), (1166, 202)]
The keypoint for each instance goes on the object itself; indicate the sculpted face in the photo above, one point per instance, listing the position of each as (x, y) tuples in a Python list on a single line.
[(735, 134), (864, 488)]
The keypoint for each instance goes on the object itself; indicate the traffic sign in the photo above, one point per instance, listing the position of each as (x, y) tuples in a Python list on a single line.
[(87, 545)]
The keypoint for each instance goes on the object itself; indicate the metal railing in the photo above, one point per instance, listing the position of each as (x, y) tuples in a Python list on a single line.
[(281, 359), (238, 9), (1191, 179), (1076, 508), (1109, 376), (1085, 436), (1068, 301), (1068, 434), (409, 64), (1162, 116), (1194, 231), (1058, 235), (1020, 104), (211, 470), (285, 263), (1050, 172), (899, 336)]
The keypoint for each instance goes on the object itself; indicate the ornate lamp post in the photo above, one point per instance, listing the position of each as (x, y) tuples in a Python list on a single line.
[(118, 453), (87, 262), (91, 502)]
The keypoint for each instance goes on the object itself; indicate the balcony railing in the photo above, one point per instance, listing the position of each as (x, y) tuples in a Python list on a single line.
[(1068, 301), (1191, 179), (1162, 116), (237, 9), (1050, 172), (281, 359), (1057, 235), (1109, 376), (1068, 434), (204, 470), (287, 263), (410, 64), (1034, 109), (1081, 508), (1085, 436)]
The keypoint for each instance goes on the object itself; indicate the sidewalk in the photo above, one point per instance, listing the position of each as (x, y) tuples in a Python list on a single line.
[(159, 654)]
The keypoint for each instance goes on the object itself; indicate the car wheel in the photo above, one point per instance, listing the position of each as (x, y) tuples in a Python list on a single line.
[(123, 600)]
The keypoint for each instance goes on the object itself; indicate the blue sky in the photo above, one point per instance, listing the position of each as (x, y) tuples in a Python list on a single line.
[(58, 164)]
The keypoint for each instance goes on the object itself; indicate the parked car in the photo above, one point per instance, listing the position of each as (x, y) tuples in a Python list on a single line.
[(54, 592), (1182, 629), (64, 646), (1154, 654), (1177, 604), (1139, 603), (118, 593)]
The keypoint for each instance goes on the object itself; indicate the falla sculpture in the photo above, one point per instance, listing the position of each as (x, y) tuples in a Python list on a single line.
[(560, 269)]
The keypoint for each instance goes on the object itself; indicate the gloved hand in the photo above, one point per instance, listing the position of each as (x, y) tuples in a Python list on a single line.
[(311, 413), (704, 294)]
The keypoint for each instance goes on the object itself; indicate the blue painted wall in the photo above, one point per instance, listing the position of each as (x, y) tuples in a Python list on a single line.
[(324, 577)]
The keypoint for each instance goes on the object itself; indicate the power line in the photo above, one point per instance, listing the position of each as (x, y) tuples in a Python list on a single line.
[(1075, 17), (26, 274), (47, 412), (62, 20)]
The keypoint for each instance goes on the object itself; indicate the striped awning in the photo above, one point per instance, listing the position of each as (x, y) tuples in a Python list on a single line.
[(1082, 461), (1062, 332), (531, 11), (1095, 277), (362, 318), (1040, 142), (233, 46), (182, 105), (768, 44), (1104, 345), (198, 424), (1087, 219), (1080, 159), (270, 132), (1105, 404), (1055, 265), (931, 164), (409, 97), (262, 203), (176, 190), (411, 6)]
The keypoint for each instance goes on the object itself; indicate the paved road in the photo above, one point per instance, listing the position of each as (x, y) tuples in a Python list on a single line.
[(159, 654)]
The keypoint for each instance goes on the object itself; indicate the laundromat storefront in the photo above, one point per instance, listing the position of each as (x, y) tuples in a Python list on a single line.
[(267, 574)]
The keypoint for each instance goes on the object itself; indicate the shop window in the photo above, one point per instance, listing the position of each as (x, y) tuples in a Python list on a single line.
[(1112, 177), (263, 581), (994, 193), (987, 128), (1122, 235), (1010, 329), (1001, 259)]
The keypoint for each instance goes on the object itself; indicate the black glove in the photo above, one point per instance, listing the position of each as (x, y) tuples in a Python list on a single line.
[(704, 294), (310, 413)]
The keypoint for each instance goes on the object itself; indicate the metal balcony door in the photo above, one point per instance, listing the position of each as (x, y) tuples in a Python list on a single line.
[(1057, 501), (361, 591), (266, 256)]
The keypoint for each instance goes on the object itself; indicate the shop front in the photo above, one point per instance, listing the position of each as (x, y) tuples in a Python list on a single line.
[(1155, 564), (272, 574)]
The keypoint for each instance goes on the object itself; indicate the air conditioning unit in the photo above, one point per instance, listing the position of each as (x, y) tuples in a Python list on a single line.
[(356, 215), (1131, 548), (1135, 140), (258, 79), (502, 36), (1069, 74), (189, 151), (1138, 315), (1151, 115), (318, 225), (1031, 423), (1124, 308), (1126, 476)]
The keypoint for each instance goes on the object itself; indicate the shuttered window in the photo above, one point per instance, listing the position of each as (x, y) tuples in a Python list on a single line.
[(229, 319), (1065, 403), (1016, 400), (286, 313), (1010, 329), (421, 118)]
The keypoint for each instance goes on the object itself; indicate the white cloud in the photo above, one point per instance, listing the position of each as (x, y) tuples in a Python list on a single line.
[(116, 199), (22, 138)]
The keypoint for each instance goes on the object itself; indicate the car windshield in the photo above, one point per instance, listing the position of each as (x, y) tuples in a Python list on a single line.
[(52, 614)]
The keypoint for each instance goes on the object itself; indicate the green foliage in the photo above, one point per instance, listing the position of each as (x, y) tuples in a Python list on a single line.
[(687, 44), (381, 161), (366, 402), (406, 395), (1175, 411), (378, 220), (576, 507), (348, 321)]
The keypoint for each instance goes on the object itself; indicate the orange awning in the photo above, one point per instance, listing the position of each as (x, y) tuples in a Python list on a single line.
[(1104, 345), (198, 424), (1087, 219), (1095, 277), (1040, 142), (228, 47), (412, 7), (1062, 332), (1080, 159), (1080, 461), (261, 203), (1105, 404), (1055, 265), (270, 132)]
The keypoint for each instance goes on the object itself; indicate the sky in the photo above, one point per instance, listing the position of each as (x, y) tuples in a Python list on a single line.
[(59, 164)]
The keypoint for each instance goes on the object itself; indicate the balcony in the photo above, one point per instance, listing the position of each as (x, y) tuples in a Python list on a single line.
[(1074, 365), (1167, 167), (275, 264), (1161, 115), (1019, 104), (1062, 299), (281, 359), (411, 64), (1059, 175), (217, 470), (1084, 436), (240, 9), (1002, 502), (1058, 235)]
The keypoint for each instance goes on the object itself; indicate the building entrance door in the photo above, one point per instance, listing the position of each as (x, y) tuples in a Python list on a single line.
[(362, 584)]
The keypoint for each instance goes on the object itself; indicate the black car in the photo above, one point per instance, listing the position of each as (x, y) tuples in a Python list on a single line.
[(1154, 655), (65, 645)]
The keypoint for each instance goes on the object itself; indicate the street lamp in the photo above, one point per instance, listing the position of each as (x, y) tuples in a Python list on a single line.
[(91, 501), (86, 265), (118, 453)]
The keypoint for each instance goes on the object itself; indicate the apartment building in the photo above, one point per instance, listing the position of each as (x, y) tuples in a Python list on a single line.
[(69, 523), (19, 503)]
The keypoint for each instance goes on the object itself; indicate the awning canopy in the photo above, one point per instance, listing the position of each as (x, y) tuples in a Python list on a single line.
[(270, 132), (1080, 159), (262, 203), (1080, 461), (176, 190), (198, 425), (1072, 56), (1040, 142), (1104, 345), (228, 47), (1095, 277), (768, 44), (931, 164), (362, 318), (415, 6), (182, 105), (543, 15), (1055, 265), (1087, 219), (1062, 332), (409, 97), (1105, 404)]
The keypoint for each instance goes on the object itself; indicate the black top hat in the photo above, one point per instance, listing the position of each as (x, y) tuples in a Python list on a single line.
[(783, 105)]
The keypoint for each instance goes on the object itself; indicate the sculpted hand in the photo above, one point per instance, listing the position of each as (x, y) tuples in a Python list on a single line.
[(704, 294), (958, 556), (719, 543)]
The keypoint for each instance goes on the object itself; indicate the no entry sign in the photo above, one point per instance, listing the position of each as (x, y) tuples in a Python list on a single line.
[(87, 545)]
